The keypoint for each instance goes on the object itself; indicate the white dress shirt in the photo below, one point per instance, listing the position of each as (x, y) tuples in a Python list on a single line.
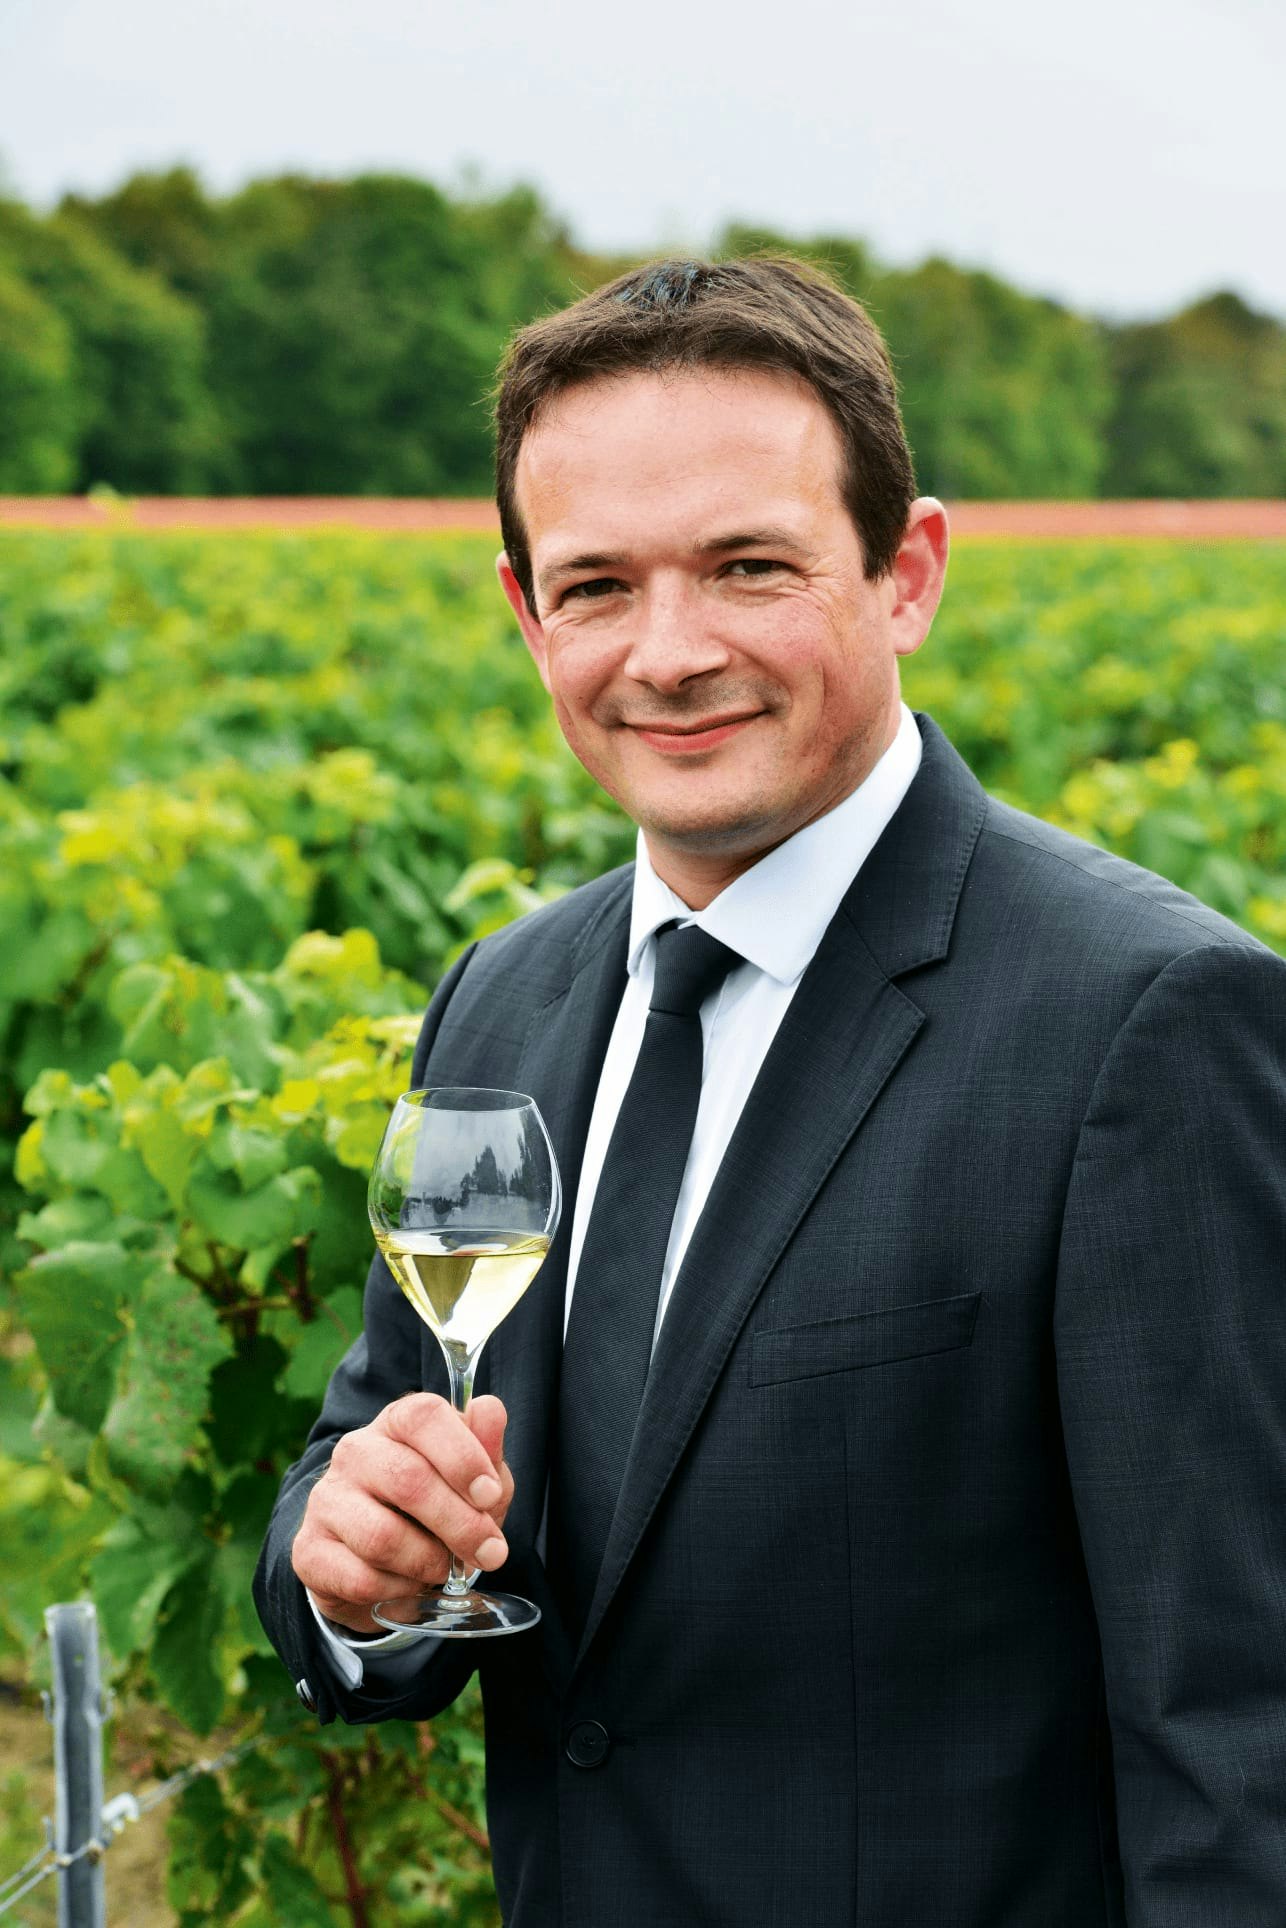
[(774, 916)]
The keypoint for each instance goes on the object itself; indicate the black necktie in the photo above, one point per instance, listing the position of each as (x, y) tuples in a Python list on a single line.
[(618, 1280)]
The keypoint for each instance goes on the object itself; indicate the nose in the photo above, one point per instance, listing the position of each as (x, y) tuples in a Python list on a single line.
[(673, 638)]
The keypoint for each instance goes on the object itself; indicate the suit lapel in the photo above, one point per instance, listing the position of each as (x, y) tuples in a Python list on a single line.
[(559, 1066), (843, 1036)]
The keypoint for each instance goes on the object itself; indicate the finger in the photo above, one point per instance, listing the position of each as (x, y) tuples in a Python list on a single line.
[(399, 1494), (394, 1474), (444, 1438), (345, 1586), (487, 1420), (388, 1542)]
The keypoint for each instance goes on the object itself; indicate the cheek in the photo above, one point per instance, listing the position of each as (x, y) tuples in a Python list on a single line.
[(573, 683), (834, 695), (578, 673), (588, 741)]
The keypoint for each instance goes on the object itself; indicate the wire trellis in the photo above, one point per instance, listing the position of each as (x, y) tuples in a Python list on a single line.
[(14, 1887), (116, 1816)]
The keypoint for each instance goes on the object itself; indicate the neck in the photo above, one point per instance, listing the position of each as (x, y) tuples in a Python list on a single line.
[(698, 877)]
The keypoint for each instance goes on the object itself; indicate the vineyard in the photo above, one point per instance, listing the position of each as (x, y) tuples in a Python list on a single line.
[(256, 791)]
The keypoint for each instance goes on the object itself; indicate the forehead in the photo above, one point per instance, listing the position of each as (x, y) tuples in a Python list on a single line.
[(680, 440)]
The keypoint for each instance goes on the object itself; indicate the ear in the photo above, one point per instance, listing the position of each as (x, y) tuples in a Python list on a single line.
[(532, 632), (918, 574)]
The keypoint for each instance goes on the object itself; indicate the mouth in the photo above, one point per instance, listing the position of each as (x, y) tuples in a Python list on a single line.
[(690, 739)]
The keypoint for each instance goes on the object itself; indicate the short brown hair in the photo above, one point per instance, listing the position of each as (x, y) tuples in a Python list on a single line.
[(771, 312)]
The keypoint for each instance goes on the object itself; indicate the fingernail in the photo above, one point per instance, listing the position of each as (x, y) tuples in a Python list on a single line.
[(485, 1490), (492, 1552)]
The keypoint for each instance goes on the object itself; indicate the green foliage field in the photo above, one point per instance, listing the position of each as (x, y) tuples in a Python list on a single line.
[(254, 795)]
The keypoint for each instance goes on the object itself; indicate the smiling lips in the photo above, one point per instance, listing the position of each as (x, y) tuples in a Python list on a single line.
[(689, 739)]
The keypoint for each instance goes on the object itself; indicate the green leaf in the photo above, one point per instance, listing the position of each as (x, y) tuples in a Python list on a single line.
[(322, 1344), (175, 1344), (236, 1563), (255, 1156), (71, 1300), (82, 1151), (178, 1013), (244, 1404), (47, 1529), (1223, 882), (266, 1787), (154, 1129), (70, 1444), (130, 1578), (207, 1879), (75, 1147), (51, 1091), (209, 1086), (270, 1214), (246, 1504), (179, 1514), (185, 1651), (488, 875), (18, 1407), (290, 1890), (81, 1217), (244, 1508)]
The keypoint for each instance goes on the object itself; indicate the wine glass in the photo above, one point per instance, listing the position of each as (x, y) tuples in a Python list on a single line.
[(464, 1200)]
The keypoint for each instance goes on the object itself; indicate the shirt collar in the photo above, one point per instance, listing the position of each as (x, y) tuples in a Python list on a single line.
[(774, 914)]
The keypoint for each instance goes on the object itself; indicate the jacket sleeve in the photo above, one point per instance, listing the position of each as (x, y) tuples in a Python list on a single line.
[(1170, 1333), (382, 1364)]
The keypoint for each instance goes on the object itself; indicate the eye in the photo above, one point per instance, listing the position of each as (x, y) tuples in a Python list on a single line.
[(755, 565), (593, 590)]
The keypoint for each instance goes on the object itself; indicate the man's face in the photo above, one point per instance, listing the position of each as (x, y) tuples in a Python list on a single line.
[(717, 658)]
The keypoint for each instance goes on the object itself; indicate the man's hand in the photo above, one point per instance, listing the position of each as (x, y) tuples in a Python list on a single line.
[(398, 1497)]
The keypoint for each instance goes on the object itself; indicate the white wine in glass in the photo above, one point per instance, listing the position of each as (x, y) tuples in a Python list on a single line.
[(464, 1200)]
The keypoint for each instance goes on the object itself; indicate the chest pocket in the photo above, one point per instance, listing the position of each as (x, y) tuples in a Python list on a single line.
[(865, 1339)]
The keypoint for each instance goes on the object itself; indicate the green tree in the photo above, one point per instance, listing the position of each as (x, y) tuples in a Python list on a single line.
[(353, 326), (356, 325), (142, 415), (346, 353), (1200, 405), (848, 260), (1004, 394), (37, 410), (341, 336), (162, 223)]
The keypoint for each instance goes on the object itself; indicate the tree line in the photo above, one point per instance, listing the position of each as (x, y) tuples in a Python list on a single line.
[(308, 336)]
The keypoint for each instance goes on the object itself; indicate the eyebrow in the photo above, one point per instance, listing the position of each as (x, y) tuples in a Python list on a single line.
[(767, 538), (574, 565)]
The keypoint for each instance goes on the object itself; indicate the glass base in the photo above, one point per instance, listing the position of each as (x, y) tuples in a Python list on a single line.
[(456, 1616)]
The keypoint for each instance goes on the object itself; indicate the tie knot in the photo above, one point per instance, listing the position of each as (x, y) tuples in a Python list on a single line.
[(690, 964)]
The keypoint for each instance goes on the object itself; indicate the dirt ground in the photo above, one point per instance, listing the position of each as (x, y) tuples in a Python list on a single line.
[(135, 1865), (1009, 521)]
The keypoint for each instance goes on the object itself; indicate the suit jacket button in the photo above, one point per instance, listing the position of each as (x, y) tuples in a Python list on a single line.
[(306, 1694), (587, 1744)]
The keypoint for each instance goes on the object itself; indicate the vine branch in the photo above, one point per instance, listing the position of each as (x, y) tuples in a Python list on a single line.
[(301, 1292), (354, 1893), (468, 1828)]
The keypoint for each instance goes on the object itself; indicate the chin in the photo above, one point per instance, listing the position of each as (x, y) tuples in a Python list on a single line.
[(715, 833)]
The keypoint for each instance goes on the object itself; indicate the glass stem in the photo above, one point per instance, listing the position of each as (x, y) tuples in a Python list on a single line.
[(460, 1367)]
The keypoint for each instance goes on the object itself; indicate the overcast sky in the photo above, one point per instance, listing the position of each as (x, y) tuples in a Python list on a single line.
[(1122, 155)]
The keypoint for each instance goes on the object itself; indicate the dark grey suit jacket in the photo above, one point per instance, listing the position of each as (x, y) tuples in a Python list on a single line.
[(948, 1580)]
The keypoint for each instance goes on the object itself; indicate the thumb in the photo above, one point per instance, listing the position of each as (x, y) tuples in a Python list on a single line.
[(487, 1420)]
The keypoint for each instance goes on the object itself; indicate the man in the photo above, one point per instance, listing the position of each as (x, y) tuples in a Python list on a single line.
[(908, 1517)]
